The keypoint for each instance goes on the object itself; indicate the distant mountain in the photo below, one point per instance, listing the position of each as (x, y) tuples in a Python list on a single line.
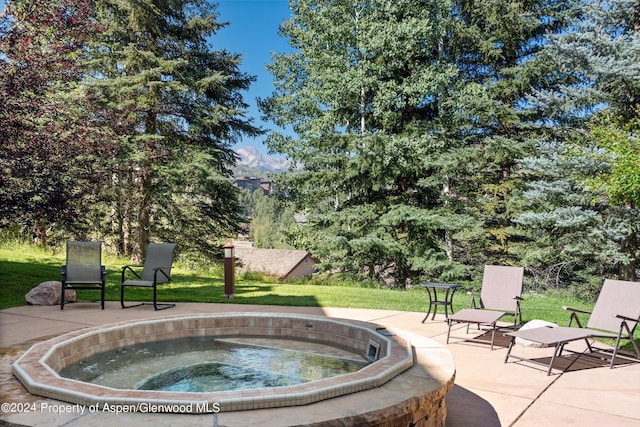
[(251, 157)]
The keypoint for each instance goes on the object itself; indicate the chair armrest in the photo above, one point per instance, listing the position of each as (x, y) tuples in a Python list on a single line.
[(518, 298), (124, 269), (630, 319), (575, 310), (161, 270), (574, 315)]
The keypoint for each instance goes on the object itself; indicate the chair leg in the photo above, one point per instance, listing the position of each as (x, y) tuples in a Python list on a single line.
[(633, 343), (586, 340), (623, 326), (122, 299), (159, 306), (506, 358), (615, 351), (557, 348), (155, 297), (493, 334), (155, 303)]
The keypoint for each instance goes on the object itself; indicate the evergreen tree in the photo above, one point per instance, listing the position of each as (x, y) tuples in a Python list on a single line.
[(359, 91), (410, 121), (575, 232), (270, 219), (600, 55), (176, 106), (496, 46)]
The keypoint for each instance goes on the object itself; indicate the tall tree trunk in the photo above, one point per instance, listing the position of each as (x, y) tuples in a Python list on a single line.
[(146, 183), (144, 220), (40, 229), (448, 241), (117, 212), (630, 246)]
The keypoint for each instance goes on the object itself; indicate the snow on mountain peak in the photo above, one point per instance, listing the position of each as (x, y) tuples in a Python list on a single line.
[(252, 157)]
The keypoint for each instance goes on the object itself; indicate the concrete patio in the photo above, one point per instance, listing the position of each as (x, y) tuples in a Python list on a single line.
[(488, 392)]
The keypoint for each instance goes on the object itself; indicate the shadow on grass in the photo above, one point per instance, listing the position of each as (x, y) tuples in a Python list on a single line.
[(273, 299), (195, 287), (18, 278)]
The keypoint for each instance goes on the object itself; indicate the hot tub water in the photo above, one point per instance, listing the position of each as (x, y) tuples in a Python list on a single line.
[(206, 364)]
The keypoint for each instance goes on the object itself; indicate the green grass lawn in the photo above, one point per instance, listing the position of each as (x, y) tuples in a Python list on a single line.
[(23, 267)]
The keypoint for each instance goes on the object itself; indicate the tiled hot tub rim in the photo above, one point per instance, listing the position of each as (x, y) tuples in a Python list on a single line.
[(397, 358)]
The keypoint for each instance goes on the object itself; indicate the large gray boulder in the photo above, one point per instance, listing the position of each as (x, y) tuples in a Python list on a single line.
[(48, 293)]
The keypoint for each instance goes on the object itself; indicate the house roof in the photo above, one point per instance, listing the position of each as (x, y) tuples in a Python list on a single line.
[(275, 262)]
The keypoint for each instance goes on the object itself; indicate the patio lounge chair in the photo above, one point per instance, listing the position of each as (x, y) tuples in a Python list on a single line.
[(156, 271), (615, 315), (84, 269), (500, 295)]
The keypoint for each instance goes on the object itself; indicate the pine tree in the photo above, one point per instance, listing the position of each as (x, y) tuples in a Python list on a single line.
[(496, 46), (176, 106), (410, 121), (270, 219), (575, 233), (358, 89)]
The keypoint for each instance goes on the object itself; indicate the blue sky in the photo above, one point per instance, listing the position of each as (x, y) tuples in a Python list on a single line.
[(252, 32)]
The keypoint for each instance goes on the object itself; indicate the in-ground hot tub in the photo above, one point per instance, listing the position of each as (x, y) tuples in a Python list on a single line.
[(405, 385), (38, 369)]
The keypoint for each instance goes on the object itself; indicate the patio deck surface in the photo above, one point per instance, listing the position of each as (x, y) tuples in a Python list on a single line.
[(488, 392)]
